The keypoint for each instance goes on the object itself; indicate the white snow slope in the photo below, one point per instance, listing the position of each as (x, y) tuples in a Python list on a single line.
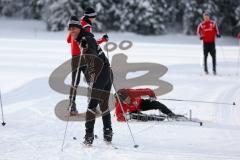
[(28, 55)]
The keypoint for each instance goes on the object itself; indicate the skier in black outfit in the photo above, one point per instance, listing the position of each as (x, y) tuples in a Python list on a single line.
[(99, 76)]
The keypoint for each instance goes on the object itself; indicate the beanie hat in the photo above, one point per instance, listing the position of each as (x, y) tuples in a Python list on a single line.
[(206, 13), (123, 94), (90, 12), (74, 22)]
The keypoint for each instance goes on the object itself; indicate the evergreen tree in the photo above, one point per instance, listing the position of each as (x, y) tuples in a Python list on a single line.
[(227, 16), (139, 16), (193, 11), (56, 13), (145, 16)]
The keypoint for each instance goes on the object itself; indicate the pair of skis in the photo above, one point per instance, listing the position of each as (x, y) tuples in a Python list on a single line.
[(110, 144), (144, 118)]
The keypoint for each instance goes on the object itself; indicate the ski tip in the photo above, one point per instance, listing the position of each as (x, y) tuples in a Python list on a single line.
[(136, 146)]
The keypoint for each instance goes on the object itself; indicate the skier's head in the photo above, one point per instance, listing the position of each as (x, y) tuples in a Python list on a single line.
[(74, 26), (123, 96), (90, 14), (206, 16)]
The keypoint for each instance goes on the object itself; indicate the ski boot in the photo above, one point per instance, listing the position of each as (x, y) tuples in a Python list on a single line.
[(107, 135), (89, 137), (176, 117), (73, 109), (214, 73), (206, 72)]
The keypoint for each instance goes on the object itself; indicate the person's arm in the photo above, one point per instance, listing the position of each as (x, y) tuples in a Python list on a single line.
[(133, 93), (199, 31), (69, 37), (119, 113), (88, 28), (217, 30), (103, 39)]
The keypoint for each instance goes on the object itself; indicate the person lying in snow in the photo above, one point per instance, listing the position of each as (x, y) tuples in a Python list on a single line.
[(133, 103)]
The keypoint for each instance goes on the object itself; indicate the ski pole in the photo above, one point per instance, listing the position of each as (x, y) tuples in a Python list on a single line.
[(223, 53), (3, 122), (170, 99), (74, 90), (121, 106), (124, 114), (238, 60)]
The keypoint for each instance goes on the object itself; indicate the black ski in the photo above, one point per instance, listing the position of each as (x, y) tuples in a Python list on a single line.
[(96, 137)]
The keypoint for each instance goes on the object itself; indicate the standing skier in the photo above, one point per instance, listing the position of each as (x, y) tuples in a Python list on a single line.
[(207, 31), (86, 23), (98, 77), (88, 19)]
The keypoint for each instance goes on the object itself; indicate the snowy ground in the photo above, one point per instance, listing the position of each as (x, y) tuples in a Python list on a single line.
[(28, 55)]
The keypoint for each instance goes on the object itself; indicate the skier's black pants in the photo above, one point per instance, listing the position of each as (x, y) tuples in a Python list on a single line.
[(152, 104), (209, 48), (104, 83)]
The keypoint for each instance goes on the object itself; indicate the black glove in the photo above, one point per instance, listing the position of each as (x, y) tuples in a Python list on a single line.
[(219, 36), (83, 43), (105, 36), (201, 38)]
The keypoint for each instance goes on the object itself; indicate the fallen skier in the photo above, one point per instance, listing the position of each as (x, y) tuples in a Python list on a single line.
[(133, 103)]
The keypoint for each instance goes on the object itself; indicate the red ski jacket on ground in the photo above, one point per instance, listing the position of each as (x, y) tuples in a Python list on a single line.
[(136, 100), (208, 30), (75, 50)]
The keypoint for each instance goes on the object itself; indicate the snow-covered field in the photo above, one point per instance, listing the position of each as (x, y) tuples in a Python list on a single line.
[(28, 55)]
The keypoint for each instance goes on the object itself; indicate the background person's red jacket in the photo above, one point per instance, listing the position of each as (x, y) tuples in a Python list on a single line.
[(88, 27), (135, 105), (208, 31), (75, 50)]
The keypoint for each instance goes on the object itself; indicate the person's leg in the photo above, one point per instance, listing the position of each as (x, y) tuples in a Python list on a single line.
[(75, 81), (213, 54), (93, 103), (106, 116), (90, 115), (205, 55), (149, 105), (90, 121)]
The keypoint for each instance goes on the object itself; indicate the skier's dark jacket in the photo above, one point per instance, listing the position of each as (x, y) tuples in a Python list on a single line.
[(92, 48)]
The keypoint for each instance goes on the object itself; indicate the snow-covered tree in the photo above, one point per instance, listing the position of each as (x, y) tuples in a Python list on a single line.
[(26, 9), (193, 11), (56, 13), (109, 13), (139, 16), (227, 16), (145, 16)]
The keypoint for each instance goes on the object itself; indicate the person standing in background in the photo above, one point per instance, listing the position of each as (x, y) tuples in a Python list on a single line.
[(208, 31)]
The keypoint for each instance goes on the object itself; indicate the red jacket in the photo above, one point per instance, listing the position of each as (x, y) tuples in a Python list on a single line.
[(75, 50), (86, 24), (208, 30), (238, 35), (136, 100)]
